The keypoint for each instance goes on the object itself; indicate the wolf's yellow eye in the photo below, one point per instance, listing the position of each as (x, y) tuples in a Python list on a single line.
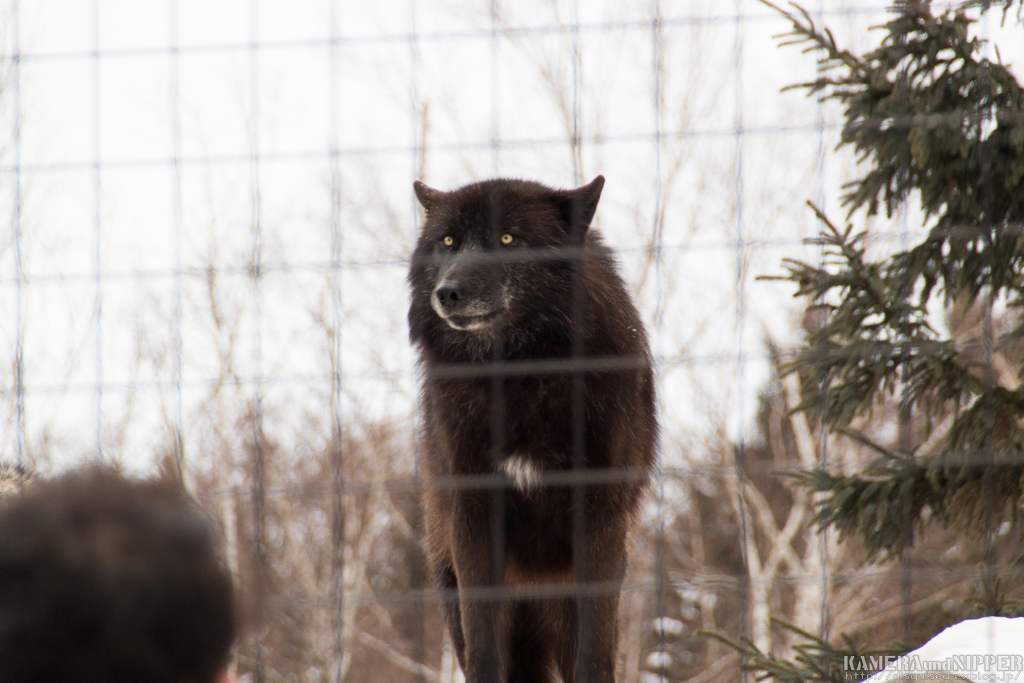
[(506, 238), (448, 241)]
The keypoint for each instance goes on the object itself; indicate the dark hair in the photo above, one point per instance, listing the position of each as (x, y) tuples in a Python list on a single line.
[(107, 579)]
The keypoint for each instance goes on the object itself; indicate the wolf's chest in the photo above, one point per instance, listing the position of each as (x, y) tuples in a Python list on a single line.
[(524, 475), (533, 406)]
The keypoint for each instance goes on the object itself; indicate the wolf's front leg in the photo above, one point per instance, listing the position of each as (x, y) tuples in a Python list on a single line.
[(478, 545), (600, 569)]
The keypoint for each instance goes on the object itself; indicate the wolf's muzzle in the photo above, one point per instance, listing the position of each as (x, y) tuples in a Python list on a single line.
[(450, 294)]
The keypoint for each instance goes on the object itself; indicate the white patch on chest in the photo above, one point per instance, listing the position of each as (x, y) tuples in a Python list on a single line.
[(524, 474)]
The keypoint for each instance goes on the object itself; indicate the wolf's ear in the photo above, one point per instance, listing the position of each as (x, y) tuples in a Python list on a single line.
[(428, 196), (578, 206)]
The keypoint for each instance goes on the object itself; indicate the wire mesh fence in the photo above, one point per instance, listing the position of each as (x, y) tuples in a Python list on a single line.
[(210, 221)]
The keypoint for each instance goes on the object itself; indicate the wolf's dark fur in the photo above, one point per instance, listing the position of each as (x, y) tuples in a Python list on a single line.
[(536, 370)]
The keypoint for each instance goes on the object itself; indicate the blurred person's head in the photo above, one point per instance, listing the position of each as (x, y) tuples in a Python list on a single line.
[(108, 579)]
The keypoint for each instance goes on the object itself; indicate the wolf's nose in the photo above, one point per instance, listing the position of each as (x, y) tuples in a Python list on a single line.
[(450, 293)]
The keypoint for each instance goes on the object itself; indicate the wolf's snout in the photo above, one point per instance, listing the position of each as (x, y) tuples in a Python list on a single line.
[(464, 302), (450, 294)]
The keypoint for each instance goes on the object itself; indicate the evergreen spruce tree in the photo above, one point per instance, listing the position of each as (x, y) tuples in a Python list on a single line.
[(931, 118)]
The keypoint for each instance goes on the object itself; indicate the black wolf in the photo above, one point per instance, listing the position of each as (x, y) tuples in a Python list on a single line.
[(539, 429)]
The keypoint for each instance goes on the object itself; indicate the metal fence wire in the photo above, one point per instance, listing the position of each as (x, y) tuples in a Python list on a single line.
[(210, 220)]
